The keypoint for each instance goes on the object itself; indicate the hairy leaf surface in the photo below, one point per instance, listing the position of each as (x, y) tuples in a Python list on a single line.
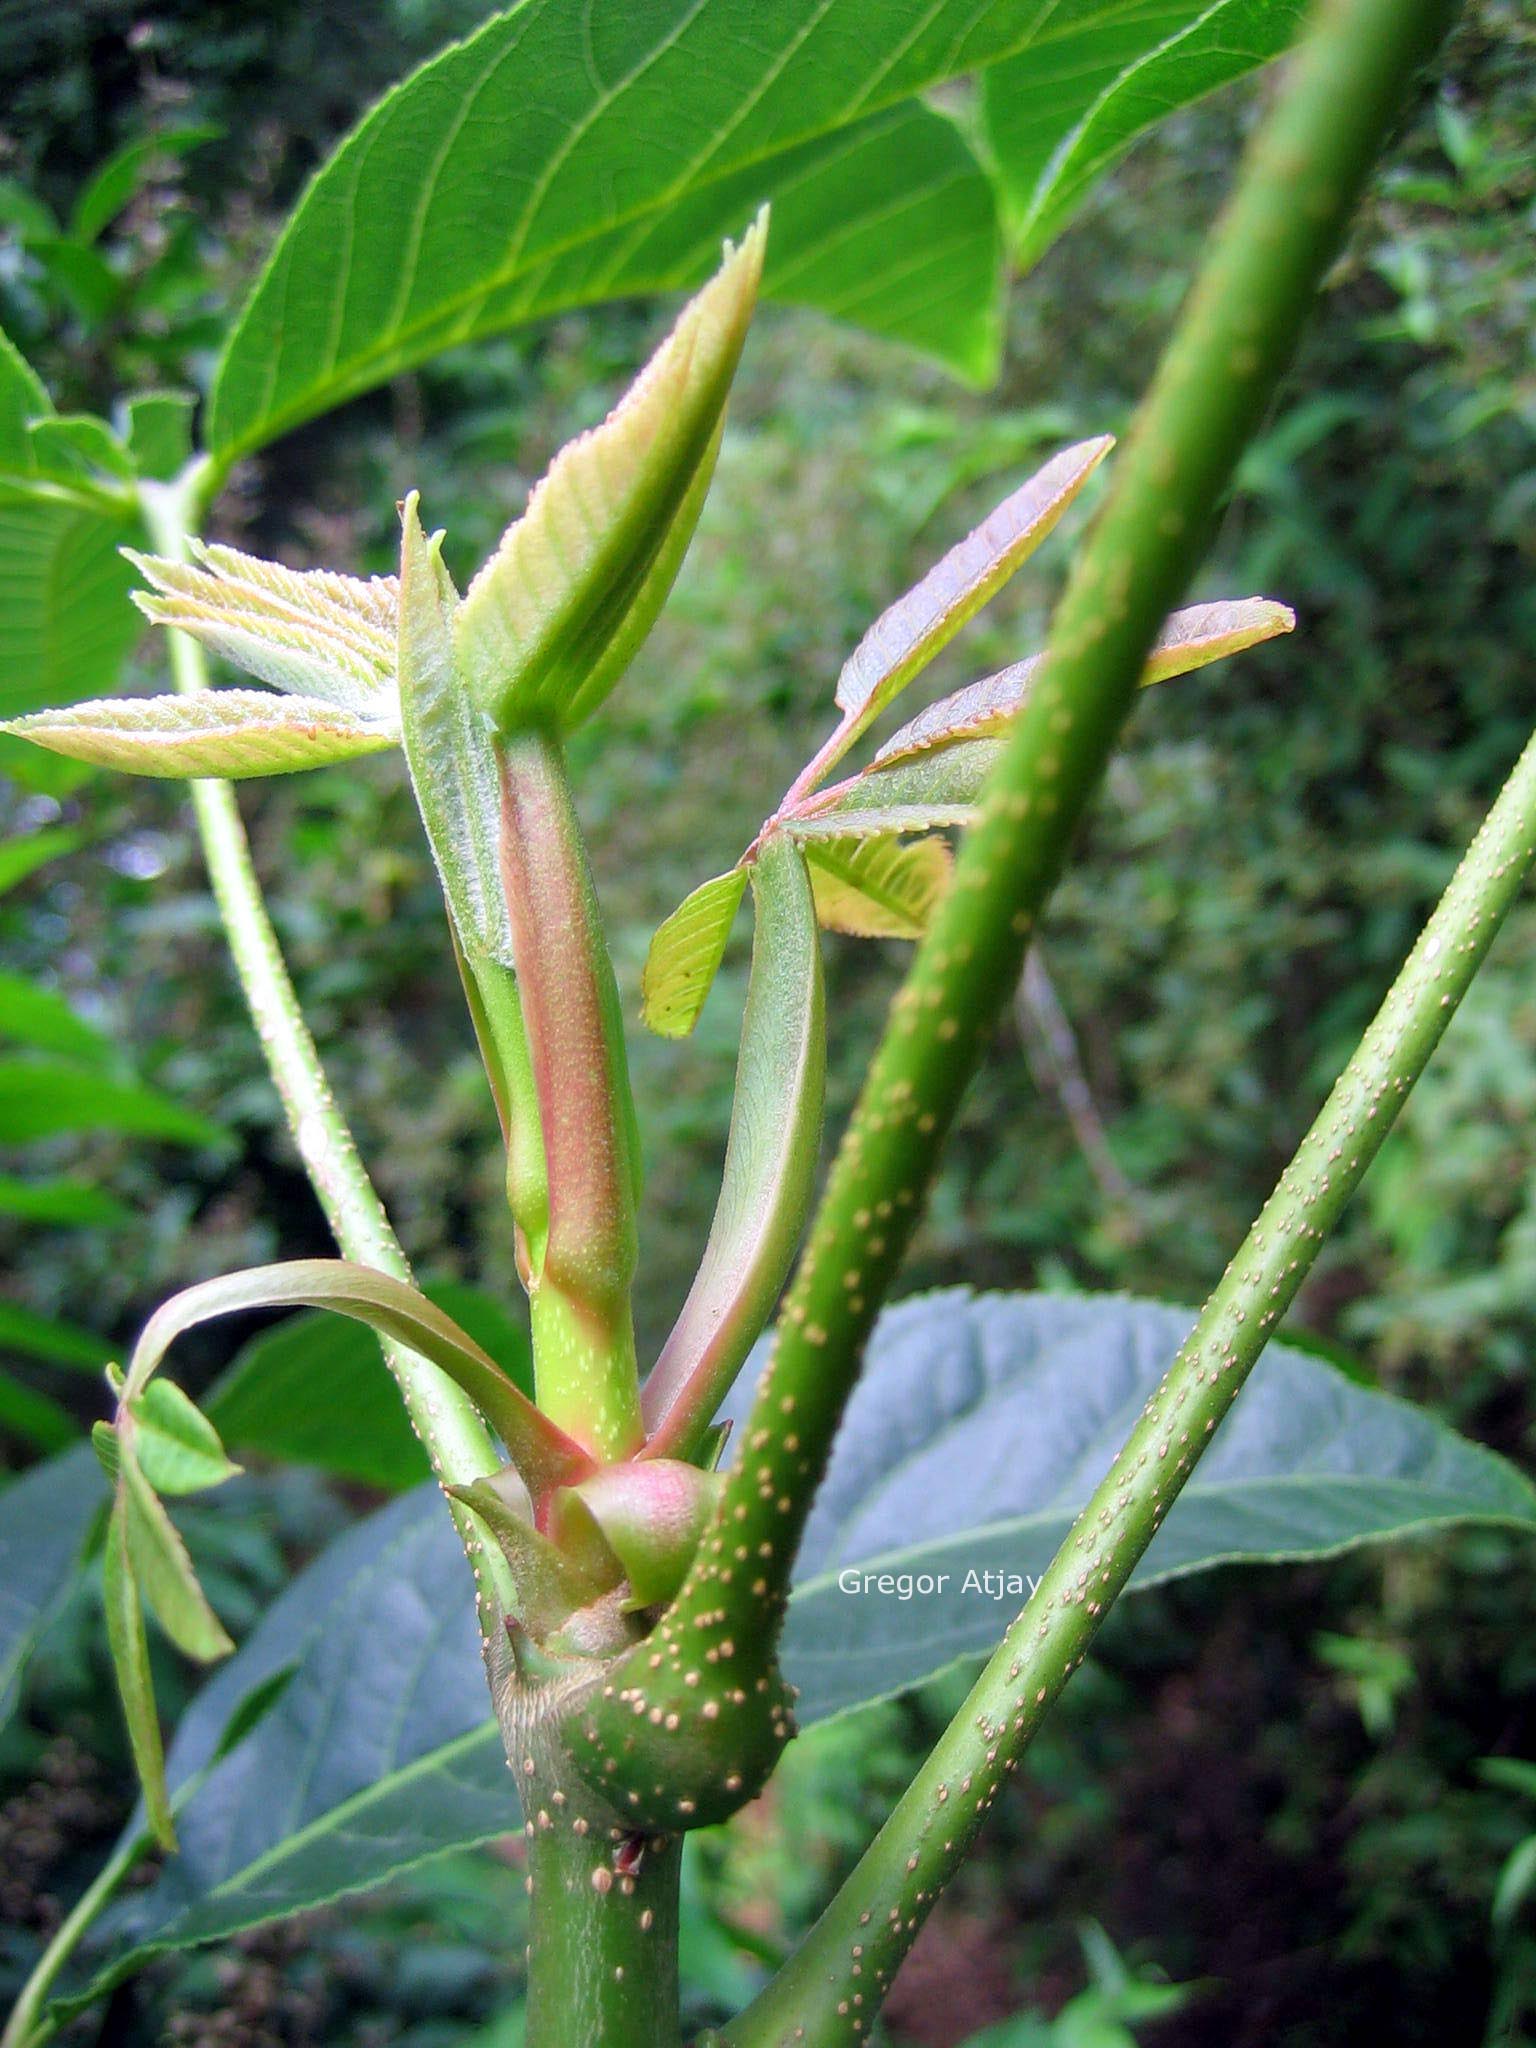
[(230, 733), (308, 631), (878, 888)]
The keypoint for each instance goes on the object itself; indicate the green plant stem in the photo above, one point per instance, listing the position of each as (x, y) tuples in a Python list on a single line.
[(602, 1964), (875, 1917), (457, 1442), (1218, 376), (27, 2027)]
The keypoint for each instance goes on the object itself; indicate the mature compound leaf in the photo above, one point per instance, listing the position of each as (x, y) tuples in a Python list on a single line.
[(686, 952), (770, 1162), (313, 1390), (1064, 111), (553, 617), (561, 156), (43, 1098), (980, 1426), (906, 637), (542, 1453), (878, 888), (232, 733), (1190, 639), (308, 631), (982, 1423), (45, 1517)]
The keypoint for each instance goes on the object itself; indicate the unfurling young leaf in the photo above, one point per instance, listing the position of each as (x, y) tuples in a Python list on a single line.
[(878, 888), (178, 1448), (130, 1660), (308, 631), (551, 621), (231, 733), (770, 1163), (906, 638), (686, 952), (1190, 639)]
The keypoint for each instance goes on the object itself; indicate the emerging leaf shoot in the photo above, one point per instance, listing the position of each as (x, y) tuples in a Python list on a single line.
[(308, 631), (552, 620)]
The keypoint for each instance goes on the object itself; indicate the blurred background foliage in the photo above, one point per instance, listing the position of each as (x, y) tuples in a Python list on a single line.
[(1273, 1794)]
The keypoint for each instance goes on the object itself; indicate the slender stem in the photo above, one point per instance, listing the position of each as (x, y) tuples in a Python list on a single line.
[(27, 2026), (1212, 387), (456, 1440), (875, 1917)]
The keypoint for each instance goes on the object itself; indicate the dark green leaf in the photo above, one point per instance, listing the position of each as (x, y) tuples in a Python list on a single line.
[(45, 1517), (981, 1423), (33, 1418)]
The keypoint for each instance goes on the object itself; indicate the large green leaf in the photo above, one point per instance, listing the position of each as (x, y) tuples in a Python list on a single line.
[(983, 1422), (980, 1425), (31, 1014), (314, 1391), (1061, 113), (377, 1753), (45, 1516), (564, 155)]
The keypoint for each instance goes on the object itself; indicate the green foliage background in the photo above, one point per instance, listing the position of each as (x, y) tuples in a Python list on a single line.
[(1267, 1784)]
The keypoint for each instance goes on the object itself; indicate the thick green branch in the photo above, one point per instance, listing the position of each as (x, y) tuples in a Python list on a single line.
[(875, 1917), (1233, 341), (455, 1438)]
